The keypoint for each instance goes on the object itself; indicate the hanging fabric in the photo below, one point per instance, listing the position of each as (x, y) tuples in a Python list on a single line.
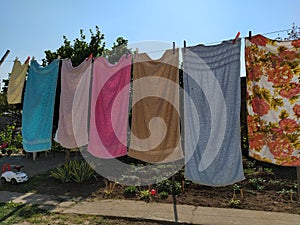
[(109, 108), (212, 114), (38, 106), (72, 129), (155, 128), (273, 103), (16, 82)]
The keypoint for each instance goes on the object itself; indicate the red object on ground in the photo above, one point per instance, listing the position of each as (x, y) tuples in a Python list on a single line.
[(153, 192)]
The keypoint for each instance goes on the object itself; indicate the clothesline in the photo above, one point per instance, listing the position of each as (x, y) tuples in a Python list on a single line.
[(210, 43)]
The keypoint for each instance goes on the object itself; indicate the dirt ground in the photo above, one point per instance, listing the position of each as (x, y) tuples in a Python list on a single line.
[(271, 194)]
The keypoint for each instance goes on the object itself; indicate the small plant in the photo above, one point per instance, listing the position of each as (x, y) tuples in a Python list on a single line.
[(234, 203), (257, 183), (166, 186), (237, 187), (62, 173), (163, 195), (289, 192), (12, 137), (77, 171), (145, 195), (130, 191)]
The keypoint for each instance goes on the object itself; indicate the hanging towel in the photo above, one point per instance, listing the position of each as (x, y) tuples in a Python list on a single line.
[(155, 129), (212, 114), (109, 108), (72, 129), (16, 82), (38, 106), (273, 100)]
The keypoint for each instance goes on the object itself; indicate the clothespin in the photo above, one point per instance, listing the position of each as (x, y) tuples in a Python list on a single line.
[(27, 60), (250, 34), (236, 37), (173, 47), (58, 57), (127, 52), (90, 57), (184, 46), (33, 58)]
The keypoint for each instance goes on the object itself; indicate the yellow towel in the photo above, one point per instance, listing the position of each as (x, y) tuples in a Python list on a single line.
[(16, 82)]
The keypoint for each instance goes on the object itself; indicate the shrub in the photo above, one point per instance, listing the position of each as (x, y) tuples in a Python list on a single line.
[(163, 195), (77, 171), (166, 186), (130, 191)]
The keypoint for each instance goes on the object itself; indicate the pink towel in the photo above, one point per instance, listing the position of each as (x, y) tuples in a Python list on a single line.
[(109, 108), (72, 129)]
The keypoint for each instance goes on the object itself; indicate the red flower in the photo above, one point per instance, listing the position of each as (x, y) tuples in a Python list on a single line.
[(260, 106), (296, 43), (290, 90), (256, 141), (280, 147), (288, 55), (280, 75), (296, 109), (259, 40), (255, 72), (288, 125)]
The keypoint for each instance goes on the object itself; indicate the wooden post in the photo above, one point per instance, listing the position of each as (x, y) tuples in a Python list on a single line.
[(298, 181)]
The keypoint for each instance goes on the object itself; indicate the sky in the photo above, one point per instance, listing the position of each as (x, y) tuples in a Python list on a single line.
[(30, 27)]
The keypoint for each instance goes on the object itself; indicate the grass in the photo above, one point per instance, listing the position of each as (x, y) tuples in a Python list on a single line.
[(15, 213)]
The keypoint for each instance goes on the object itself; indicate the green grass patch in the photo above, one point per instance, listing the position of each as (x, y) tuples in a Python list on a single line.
[(12, 213)]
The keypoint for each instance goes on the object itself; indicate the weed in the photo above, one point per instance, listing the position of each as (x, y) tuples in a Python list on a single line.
[(145, 195), (163, 195), (234, 203), (130, 191)]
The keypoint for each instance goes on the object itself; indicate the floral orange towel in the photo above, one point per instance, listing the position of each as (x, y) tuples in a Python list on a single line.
[(273, 100)]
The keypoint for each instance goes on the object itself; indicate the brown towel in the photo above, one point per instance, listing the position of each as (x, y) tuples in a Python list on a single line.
[(155, 130)]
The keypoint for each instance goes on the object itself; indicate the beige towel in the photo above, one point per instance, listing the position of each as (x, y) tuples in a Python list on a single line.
[(155, 134), (16, 82)]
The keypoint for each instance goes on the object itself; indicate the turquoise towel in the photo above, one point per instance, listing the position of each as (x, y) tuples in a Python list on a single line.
[(212, 117), (38, 106)]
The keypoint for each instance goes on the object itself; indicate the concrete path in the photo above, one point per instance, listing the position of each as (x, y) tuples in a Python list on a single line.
[(152, 211)]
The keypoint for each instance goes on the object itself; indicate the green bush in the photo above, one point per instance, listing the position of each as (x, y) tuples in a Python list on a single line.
[(163, 195), (77, 171), (130, 191), (166, 186)]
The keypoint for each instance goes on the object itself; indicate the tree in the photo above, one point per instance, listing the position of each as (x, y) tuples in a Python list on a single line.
[(80, 49), (120, 47), (292, 34)]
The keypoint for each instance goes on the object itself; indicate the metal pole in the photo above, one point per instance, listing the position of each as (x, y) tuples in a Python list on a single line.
[(174, 199), (298, 181), (4, 57)]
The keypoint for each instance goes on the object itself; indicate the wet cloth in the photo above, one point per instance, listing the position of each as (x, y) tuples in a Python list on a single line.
[(212, 114), (155, 127), (72, 129), (16, 82), (273, 100), (109, 108), (38, 106)]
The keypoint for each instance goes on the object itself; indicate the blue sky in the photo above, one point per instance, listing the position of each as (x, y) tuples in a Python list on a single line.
[(30, 27)]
